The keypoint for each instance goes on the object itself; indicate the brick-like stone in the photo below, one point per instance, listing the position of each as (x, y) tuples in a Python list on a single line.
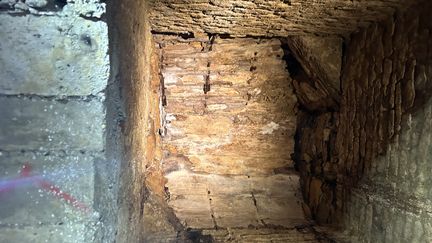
[(380, 137), (242, 125), (235, 201), (227, 150), (35, 124), (53, 55), (262, 235)]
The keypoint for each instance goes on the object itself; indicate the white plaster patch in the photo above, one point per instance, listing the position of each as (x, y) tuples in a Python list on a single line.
[(170, 117), (257, 91), (217, 107), (169, 78), (269, 128), (172, 131)]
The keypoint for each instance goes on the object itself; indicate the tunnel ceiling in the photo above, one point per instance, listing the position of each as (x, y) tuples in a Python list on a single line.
[(268, 17)]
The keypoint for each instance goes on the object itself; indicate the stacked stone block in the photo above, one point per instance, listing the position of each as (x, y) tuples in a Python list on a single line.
[(54, 69), (383, 136)]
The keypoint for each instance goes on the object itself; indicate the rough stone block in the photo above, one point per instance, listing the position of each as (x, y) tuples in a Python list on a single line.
[(53, 55), (89, 8), (66, 233), (29, 204), (267, 18), (235, 201), (194, 211), (235, 211), (46, 125), (261, 235)]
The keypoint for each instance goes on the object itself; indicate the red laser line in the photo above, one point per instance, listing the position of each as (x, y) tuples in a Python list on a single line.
[(48, 186), (60, 194)]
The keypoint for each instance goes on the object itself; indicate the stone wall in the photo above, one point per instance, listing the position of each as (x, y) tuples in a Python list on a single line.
[(230, 119), (384, 129), (315, 139), (54, 70), (268, 17), (229, 105), (315, 67), (371, 156), (130, 40), (144, 216)]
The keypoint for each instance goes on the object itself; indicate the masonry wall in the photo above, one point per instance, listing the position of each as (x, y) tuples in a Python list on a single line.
[(54, 71), (143, 215), (243, 18), (315, 67), (384, 134), (364, 161), (230, 115)]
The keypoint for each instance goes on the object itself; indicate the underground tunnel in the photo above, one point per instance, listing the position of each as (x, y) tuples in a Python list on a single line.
[(215, 121)]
